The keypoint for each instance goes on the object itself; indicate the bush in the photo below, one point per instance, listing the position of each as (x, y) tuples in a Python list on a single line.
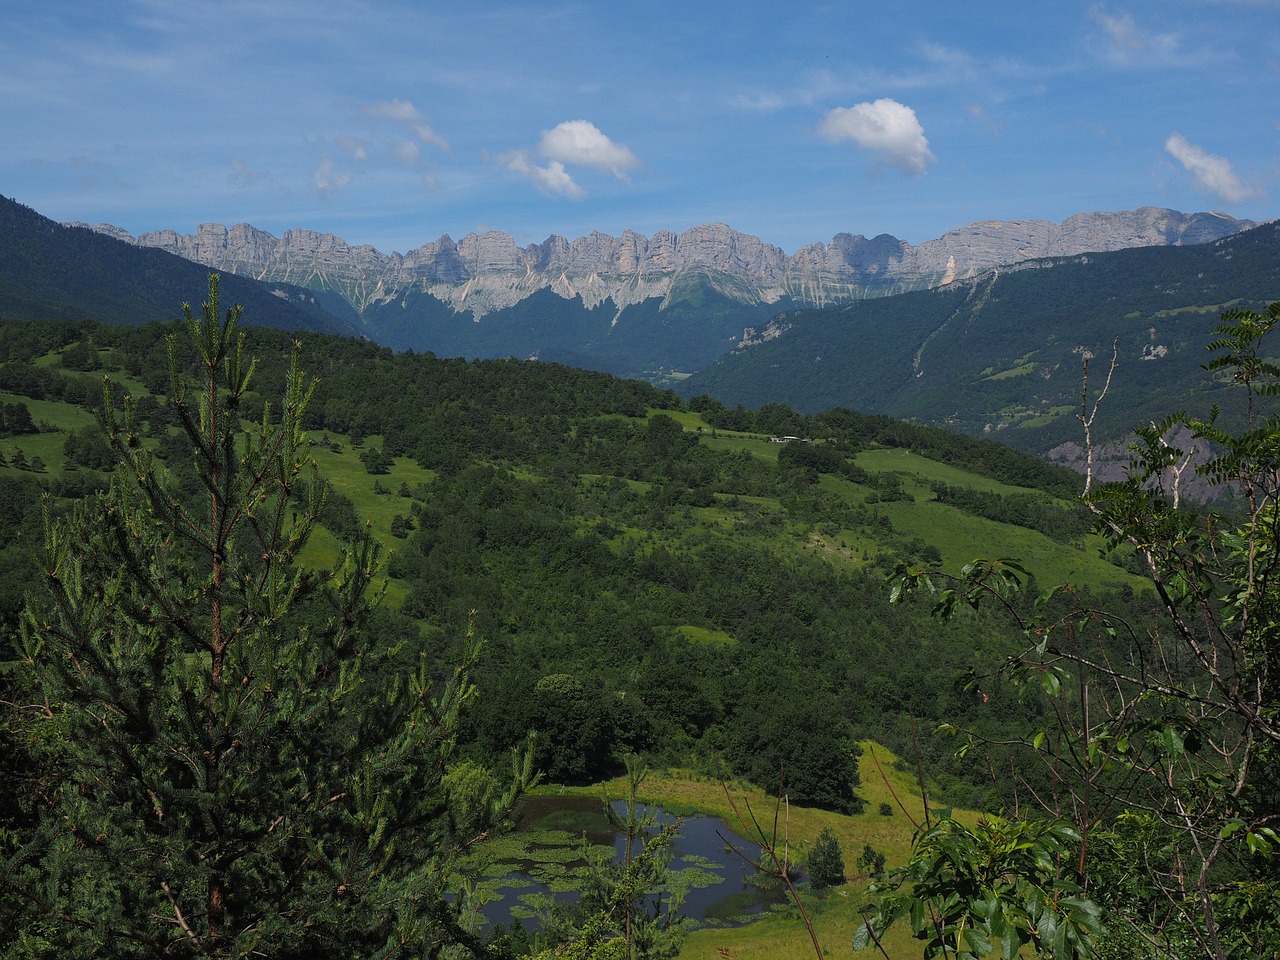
[(871, 862)]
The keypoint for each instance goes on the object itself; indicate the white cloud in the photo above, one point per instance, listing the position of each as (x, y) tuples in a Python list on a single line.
[(886, 128), (575, 142), (1212, 173), (581, 142), (553, 178), (406, 114), (328, 178)]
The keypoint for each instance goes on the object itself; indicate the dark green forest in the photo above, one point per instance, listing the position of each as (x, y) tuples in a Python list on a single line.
[(621, 573), (597, 539)]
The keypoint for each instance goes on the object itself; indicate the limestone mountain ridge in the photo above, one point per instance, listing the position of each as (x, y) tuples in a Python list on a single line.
[(487, 272)]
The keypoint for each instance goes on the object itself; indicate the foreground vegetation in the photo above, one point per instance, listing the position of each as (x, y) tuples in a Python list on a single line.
[(648, 578)]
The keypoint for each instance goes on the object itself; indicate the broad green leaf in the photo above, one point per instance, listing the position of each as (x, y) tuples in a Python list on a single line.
[(978, 941), (1049, 680), (862, 936)]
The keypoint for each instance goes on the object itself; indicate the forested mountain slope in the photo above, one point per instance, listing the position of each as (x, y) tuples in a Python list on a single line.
[(698, 590), (1001, 354), (50, 271), (636, 305)]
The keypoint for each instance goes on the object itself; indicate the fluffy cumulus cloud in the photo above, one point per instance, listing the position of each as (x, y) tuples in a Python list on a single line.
[(1213, 174), (887, 129), (582, 143), (572, 143)]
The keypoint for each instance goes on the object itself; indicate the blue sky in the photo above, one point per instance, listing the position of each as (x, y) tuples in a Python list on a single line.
[(391, 123)]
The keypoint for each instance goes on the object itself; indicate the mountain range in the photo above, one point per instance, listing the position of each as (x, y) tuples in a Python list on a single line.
[(1002, 354), (636, 305), (51, 271), (996, 354)]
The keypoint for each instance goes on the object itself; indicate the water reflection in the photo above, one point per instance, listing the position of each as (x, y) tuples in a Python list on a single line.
[(724, 889)]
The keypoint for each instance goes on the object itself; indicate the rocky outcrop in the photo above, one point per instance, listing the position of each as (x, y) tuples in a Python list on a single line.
[(485, 272)]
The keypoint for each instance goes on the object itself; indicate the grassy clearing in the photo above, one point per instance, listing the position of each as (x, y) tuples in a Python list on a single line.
[(688, 419), (1019, 371), (960, 538), (1048, 416), (376, 499), (1213, 308), (906, 462), (782, 936), (54, 413), (46, 446), (55, 419), (754, 444), (694, 634)]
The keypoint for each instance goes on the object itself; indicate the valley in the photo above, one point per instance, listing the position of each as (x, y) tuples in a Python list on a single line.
[(711, 583)]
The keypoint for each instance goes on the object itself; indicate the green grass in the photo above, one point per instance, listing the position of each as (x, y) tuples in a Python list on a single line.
[(1214, 308), (961, 537), (686, 418), (1019, 371), (754, 444), (349, 477), (703, 635), (62, 417), (376, 498), (906, 462), (1048, 416), (55, 413), (782, 936)]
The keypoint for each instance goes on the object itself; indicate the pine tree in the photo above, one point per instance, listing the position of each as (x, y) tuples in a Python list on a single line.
[(826, 860), (239, 770)]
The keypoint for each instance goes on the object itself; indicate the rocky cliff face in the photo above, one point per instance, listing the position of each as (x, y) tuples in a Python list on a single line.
[(486, 272)]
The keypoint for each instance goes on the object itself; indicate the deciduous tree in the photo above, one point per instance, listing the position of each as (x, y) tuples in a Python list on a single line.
[(1169, 730)]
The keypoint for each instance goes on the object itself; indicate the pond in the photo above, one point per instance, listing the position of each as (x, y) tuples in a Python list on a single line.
[(543, 857)]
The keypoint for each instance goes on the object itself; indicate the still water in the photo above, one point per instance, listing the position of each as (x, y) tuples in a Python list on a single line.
[(723, 888)]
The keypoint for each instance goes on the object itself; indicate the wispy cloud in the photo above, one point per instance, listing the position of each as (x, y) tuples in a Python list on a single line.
[(408, 152), (356, 147), (887, 129), (1129, 43), (553, 178), (1212, 174), (328, 178), (242, 175), (406, 114), (766, 101)]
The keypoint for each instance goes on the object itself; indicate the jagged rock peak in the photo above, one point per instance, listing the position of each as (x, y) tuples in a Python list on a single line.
[(486, 270)]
